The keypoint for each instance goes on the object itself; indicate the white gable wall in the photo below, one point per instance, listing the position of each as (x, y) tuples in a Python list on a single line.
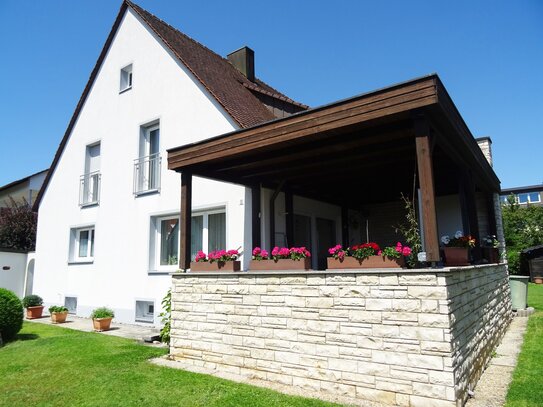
[(162, 90)]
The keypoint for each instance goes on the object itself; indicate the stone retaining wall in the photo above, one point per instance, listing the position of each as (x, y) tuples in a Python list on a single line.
[(409, 337)]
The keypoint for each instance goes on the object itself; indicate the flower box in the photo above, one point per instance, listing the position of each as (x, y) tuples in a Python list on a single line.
[(456, 256), (377, 262), (281, 264), (202, 266), (491, 254)]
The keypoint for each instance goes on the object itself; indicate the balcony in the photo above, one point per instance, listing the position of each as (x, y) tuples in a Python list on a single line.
[(147, 174), (89, 189)]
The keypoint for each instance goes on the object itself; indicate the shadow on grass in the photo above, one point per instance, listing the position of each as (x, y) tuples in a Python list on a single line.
[(26, 337)]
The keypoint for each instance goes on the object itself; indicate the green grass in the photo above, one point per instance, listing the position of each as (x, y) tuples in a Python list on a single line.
[(54, 366), (526, 389)]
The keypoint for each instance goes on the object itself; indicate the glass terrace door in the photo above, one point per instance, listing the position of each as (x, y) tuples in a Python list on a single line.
[(147, 166)]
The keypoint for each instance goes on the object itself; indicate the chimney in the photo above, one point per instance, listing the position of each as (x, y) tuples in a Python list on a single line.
[(485, 144), (244, 61)]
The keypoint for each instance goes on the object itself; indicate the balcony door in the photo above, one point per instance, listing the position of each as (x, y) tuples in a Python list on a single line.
[(148, 163)]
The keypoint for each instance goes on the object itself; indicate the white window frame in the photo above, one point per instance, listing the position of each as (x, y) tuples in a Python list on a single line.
[(147, 167), (126, 78), (147, 317), (538, 194), (75, 239), (157, 220)]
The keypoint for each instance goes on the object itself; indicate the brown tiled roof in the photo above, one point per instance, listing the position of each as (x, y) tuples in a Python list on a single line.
[(229, 86), (215, 73)]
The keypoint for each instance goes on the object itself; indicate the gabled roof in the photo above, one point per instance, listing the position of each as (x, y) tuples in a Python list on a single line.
[(20, 181), (232, 90)]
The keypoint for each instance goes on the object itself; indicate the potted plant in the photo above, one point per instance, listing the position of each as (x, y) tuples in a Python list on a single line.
[(456, 249), (490, 249), (367, 255), (101, 318), (58, 314), (219, 260), (281, 258), (34, 306)]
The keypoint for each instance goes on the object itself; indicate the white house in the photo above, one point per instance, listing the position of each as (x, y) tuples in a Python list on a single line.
[(109, 218), (108, 212)]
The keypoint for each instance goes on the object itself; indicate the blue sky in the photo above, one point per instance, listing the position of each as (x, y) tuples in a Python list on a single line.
[(489, 54)]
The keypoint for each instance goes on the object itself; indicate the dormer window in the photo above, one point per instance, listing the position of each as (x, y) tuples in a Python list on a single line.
[(126, 78)]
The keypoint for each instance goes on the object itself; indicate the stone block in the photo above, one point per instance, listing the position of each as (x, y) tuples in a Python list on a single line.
[(394, 385), (379, 396), (372, 317), (338, 389), (418, 401), (323, 326), (373, 368), (427, 292), (361, 291), (307, 384), (406, 305), (389, 279), (378, 304), (319, 302), (386, 331), (367, 279), (425, 361)]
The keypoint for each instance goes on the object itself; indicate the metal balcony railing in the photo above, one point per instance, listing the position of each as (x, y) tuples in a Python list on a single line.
[(89, 188), (147, 174)]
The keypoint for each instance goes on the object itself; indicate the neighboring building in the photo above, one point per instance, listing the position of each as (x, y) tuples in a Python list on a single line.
[(23, 190), (530, 195), (266, 170)]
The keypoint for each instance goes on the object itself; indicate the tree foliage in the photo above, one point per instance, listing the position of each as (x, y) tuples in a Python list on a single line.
[(523, 228), (18, 227)]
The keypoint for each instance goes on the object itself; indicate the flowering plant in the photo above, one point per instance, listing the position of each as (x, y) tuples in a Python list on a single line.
[(491, 241), (395, 252), (337, 252), (260, 254), (459, 240), (294, 253), (218, 256), (363, 251)]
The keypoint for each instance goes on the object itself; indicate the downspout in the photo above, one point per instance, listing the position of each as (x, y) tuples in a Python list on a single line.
[(272, 213)]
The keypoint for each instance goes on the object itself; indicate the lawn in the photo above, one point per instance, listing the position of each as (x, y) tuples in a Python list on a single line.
[(526, 389), (55, 366)]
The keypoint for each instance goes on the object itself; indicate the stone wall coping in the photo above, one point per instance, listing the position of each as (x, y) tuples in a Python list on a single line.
[(429, 270)]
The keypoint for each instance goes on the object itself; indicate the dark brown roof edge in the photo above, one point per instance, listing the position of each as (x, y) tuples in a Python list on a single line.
[(80, 104), (20, 181)]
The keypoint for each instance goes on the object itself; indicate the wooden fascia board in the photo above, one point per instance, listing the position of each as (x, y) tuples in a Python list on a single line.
[(80, 104), (374, 106)]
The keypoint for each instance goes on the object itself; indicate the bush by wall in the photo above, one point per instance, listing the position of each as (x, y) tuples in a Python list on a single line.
[(11, 314)]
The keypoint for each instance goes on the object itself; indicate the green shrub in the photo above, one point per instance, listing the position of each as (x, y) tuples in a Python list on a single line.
[(11, 314), (32, 301), (102, 312), (166, 316), (57, 308)]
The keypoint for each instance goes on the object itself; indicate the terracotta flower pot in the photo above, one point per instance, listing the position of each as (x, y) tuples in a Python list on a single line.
[(281, 264), (538, 280), (34, 312), (101, 324), (59, 317), (456, 256), (200, 266), (377, 262)]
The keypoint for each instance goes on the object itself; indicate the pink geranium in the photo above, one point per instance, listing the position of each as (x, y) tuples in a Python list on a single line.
[(200, 256)]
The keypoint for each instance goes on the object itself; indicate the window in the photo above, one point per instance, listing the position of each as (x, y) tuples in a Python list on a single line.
[(126, 78), (89, 183), (82, 245), (522, 198), (145, 311), (534, 197), (208, 233), (147, 166), (71, 304)]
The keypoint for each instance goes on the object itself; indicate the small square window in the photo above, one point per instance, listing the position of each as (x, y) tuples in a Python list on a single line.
[(82, 245), (522, 198), (71, 304), (126, 78), (145, 311), (534, 197)]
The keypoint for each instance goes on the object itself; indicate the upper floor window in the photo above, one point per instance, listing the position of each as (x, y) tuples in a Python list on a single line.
[(147, 166), (126, 78), (534, 197), (89, 183)]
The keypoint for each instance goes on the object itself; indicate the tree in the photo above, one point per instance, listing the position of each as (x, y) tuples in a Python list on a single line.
[(18, 227), (523, 228)]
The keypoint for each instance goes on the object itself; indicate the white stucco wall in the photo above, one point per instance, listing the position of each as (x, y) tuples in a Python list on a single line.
[(12, 271), (162, 90)]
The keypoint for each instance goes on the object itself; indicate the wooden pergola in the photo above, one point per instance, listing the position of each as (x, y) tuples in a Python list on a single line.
[(361, 150)]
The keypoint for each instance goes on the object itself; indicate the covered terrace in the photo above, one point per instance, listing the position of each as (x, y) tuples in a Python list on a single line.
[(365, 150)]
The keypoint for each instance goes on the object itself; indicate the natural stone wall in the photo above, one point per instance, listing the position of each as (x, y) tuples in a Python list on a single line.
[(411, 338)]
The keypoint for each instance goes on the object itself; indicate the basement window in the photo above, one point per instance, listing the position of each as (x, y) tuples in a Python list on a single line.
[(71, 304), (145, 311), (126, 78)]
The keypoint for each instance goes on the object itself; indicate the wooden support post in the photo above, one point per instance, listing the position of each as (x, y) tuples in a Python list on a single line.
[(255, 215), (426, 182), (345, 226), (289, 218), (186, 220)]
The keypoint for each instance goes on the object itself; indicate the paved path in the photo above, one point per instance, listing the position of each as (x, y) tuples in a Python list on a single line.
[(137, 332), (492, 387)]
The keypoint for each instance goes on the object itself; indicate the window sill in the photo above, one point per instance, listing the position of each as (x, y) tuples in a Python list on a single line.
[(80, 262), (144, 320), (89, 205), (163, 272), (147, 192), (125, 90)]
